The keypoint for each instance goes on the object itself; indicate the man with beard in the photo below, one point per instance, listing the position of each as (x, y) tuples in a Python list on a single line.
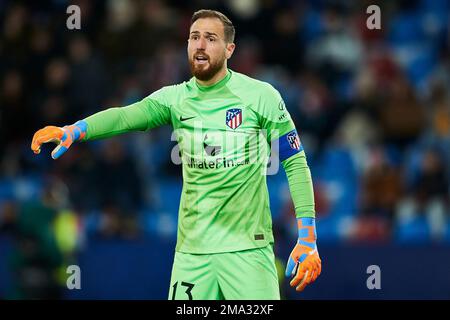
[(225, 124)]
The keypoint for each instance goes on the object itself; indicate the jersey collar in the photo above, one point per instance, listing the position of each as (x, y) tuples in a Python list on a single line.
[(216, 85)]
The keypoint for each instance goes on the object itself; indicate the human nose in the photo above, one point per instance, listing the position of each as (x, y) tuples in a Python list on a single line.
[(201, 44)]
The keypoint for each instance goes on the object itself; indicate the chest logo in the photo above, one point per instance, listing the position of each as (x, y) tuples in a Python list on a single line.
[(233, 118), (187, 118)]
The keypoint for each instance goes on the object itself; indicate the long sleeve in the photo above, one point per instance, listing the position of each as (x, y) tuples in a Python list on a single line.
[(281, 131), (300, 185), (150, 112)]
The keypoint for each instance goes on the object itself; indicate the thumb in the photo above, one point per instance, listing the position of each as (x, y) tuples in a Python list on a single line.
[(290, 267), (63, 146), (58, 151)]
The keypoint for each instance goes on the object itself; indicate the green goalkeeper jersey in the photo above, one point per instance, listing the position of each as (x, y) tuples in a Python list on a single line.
[(224, 133)]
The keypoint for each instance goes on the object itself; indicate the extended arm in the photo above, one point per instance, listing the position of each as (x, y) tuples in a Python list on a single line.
[(140, 116)]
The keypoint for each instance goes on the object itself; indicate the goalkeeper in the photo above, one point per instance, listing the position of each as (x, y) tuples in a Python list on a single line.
[(224, 240)]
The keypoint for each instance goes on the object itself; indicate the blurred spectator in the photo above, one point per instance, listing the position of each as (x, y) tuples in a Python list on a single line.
[(381, 186), (15, 34), (88, 78), (341, 82), (429, 194), (339, 48), (401, 116), (316, 106), (121, 191), (381, 95), (13, 105), (36, 256), (118, 178), (432, 181)]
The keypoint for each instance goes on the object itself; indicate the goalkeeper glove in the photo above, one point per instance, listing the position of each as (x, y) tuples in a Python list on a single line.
[(304, 263), (64, 137)]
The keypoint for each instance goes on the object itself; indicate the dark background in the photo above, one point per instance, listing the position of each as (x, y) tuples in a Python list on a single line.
[(372, 108)]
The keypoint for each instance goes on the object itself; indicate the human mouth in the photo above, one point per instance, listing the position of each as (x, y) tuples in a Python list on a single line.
[(201, 59)]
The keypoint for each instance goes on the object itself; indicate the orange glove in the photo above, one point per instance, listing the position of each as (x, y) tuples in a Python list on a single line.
[(304, 262), (64, 137)]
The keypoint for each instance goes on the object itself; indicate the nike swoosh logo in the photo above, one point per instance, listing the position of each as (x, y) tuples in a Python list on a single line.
[(184, 119)]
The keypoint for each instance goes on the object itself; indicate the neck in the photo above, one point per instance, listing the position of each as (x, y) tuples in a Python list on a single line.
[(217, 77)]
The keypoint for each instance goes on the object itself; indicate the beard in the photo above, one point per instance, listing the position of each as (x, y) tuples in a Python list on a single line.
[(205, 72)]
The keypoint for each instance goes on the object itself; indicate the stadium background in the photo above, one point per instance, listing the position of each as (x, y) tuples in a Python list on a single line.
[(372, 108)]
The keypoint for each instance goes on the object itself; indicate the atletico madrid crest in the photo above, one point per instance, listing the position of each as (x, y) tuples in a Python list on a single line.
[(234, 118), (293, 140)]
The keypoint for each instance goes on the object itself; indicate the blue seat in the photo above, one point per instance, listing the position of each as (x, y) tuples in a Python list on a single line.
[(406, 28), (276, 188), (91, 222), (158, 223), (169, 194), (413, 232), (327, 230), (6, 190), (447, 233), (27, 188), (337, 172)]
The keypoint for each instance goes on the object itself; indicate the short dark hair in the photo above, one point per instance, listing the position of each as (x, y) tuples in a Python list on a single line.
[(228, 27)]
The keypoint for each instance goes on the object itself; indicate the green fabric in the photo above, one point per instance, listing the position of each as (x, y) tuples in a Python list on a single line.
[(300, 185), (224, 203), (244, 275), (140, 116)]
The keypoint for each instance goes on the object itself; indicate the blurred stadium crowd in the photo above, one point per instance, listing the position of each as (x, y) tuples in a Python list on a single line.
[(372, 108)]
